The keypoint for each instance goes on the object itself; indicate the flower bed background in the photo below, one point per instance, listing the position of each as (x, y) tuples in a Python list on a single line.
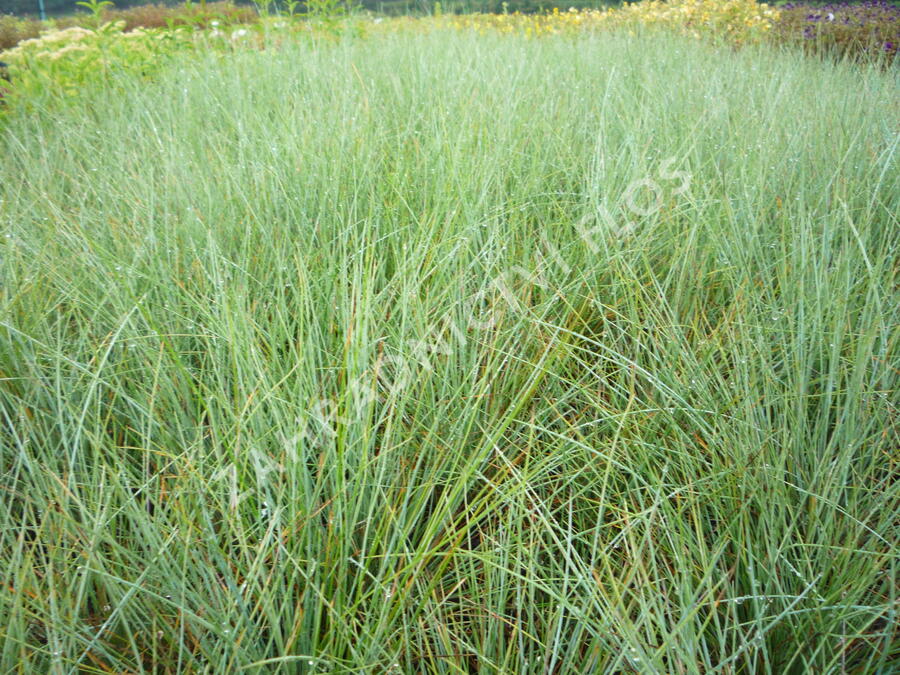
[(734, 21), (60, 63), (57, 59), (14, 30), (866, 27)]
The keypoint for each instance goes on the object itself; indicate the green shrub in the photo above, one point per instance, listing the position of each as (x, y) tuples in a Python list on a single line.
[(161, 16), (13, 30), (62, 63)]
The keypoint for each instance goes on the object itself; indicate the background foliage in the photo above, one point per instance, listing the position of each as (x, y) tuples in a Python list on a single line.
[(29, 7), (872, 26)]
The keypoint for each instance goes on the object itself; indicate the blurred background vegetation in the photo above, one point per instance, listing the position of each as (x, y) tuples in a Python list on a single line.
[(64, 7), (61, 7)]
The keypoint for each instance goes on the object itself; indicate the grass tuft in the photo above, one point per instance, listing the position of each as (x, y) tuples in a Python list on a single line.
[(321, 359)]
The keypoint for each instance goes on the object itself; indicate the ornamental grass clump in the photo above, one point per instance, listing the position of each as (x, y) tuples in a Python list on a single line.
[(447, 353)]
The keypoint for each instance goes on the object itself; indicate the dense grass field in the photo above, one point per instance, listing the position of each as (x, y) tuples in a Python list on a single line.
[(454, 353)]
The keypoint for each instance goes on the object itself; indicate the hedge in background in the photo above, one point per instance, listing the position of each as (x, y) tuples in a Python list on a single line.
[(162, 16), (871, 28)]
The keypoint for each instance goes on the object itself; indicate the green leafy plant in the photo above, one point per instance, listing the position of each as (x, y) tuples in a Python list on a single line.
[(63, 65), (291, 7), (96, 8), (263, 7), (326, 9), (329, 16)]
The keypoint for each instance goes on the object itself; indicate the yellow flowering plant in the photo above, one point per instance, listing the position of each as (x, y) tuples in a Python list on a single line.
[(733, 21)]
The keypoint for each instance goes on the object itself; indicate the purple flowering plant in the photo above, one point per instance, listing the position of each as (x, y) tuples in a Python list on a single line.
[(861, 28)]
